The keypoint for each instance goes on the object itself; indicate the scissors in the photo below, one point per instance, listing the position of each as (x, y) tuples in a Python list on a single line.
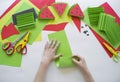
[(9, 47), (21, 47), (116, 54)]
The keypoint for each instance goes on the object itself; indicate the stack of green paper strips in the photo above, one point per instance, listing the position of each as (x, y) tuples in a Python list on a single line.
[(113, 33), (25, 21), (93, 14), (105, 21), (108, 25), (64, 49)]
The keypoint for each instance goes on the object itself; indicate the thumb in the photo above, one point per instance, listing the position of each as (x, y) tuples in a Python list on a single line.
[(75, 61), (57, 56)]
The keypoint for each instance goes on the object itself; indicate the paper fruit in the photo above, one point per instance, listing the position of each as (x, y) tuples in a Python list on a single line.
[(76, 11), (45, 13), (60, 8)]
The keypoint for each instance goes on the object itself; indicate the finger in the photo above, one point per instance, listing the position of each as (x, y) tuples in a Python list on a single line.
[(46, 45), (51, 42), (76, 57), (54, 43), (57, 45), (57, 56), (75, 61)]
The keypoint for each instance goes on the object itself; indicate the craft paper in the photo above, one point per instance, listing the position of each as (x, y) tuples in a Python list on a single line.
[(108, 9), (96, 29), (41, 3), (93, 14), (65, 62), (8, 31), (16, 2), (59, 8), (14, 60), (45, 13), (40, 24), (64, 49), (23, 12), (55, 27), (77, 22), (76, 11), (64, 18)]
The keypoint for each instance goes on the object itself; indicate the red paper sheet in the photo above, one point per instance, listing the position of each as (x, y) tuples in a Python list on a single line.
[(55, 27), (77, 22), (16, 2), (8, 31), (41, 3), (108, 9)]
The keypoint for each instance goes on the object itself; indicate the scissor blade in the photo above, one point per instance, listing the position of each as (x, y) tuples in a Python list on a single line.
[(21, 37)]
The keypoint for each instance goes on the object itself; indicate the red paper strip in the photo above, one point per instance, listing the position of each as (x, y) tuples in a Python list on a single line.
[(8, 31), (16, 2), (77, 22), (41, 3), (55, 27), (108, 10)]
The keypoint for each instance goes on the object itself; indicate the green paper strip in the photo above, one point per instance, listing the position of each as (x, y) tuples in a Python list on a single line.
[(64, 49)]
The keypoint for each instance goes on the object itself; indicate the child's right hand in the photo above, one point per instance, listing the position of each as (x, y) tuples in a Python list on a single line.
[(80, 62)]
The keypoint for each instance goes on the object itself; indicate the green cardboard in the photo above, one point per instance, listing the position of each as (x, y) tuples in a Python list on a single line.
[(64, 49)]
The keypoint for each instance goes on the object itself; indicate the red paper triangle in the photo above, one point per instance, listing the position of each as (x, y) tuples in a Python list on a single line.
[(55, 27), (41, 3), (16, 2), (60, 8), (77, 22), (8, 31)]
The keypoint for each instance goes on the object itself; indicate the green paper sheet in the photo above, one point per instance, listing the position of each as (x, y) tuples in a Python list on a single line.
[(14, 60), (64, 49), (96, 29)]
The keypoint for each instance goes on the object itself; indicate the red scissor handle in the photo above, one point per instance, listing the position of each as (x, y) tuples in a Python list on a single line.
[(21, 50), (6, 45)]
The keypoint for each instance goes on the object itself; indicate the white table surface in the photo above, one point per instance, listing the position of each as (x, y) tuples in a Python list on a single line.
[(101, 66)]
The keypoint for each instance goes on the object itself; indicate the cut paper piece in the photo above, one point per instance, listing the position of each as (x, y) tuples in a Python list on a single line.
[(45, 13), (108, 10), (8, 31), (41, 3), (14, 60), (76, 11), (23, 12), (60, 8), (64, 49), (16, 2), (93, 14), (55, 27), (25, 21), (77, 22)]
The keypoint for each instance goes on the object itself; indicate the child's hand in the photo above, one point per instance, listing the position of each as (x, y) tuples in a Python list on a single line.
[(80, 62), (49, 51)]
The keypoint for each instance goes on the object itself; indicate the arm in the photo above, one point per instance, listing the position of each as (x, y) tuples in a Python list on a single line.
[(48, 57), (80, 62)]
